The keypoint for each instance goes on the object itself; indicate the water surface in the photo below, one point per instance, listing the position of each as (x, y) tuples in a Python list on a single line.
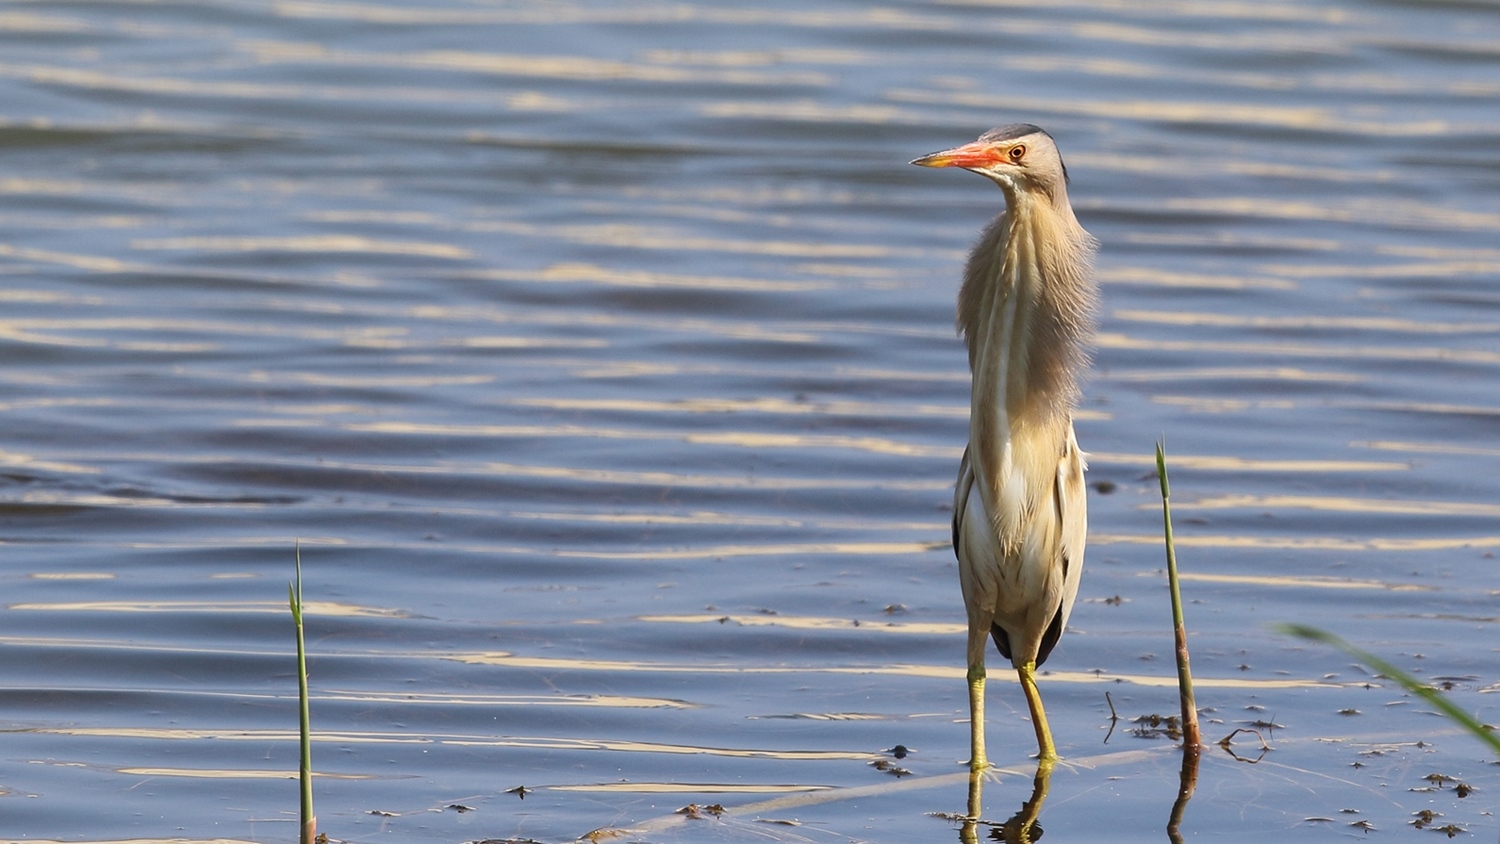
[(600, 356)]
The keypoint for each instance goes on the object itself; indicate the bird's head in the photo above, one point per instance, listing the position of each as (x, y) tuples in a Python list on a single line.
[(1020, 158)]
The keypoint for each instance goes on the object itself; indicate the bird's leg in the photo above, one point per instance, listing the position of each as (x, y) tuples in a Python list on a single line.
[(1048, 753), (977, 760)]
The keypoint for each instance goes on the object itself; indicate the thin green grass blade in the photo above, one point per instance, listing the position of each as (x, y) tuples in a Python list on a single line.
[(1192, 738), (309, 820), (1407, 681)]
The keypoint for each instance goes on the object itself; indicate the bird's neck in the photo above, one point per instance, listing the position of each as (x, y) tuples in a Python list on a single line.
[(1026, 312)]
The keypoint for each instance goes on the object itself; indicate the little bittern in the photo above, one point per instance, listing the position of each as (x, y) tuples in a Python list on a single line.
[(1026, 312)]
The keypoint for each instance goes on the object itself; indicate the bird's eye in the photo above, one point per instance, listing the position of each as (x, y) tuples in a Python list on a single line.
[(1017, 153)]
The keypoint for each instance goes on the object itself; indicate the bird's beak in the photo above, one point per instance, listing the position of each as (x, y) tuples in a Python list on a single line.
[(968, 156)]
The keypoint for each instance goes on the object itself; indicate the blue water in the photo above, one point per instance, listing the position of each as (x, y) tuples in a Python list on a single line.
[(600, 358)]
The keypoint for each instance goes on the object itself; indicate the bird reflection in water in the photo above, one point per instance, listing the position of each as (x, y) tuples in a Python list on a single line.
[(1020, 828)]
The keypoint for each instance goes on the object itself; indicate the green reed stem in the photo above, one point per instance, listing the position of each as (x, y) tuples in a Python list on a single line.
[(1191, 737), (309, 820), (1407, 681)]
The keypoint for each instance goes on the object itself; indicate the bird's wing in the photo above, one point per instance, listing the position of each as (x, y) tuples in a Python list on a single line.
[(961, 502), (1072, 512), (974, 546)]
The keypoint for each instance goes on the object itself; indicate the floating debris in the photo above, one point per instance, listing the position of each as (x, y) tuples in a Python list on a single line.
[(693, 810), (1442, 781), (889, 767), (1158, 726)]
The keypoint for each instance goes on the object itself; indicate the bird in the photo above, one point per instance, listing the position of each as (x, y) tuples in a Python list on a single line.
[(1026, 312)]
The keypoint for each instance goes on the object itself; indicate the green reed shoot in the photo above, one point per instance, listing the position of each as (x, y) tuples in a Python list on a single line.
[(1191, 737), (1407, 681), (309, 820)]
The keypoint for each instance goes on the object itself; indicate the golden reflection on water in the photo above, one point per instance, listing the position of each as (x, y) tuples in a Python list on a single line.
[(636, 787), (325, 608), (653, 747), (348, 381), (1426, 407), (1433, 269), (1268, 373), (1198, 404), (937, 672), (1201, 113), (1230, 240), (228, 774), (1355, 211), (522, 342), (328, 243), (1113, 340), (1302, 543), (11, 458), (629, 369), (1336, 504), (808, 623), (1307, 322), (744, 439), (146, 325), (592, 274), (877, 445), (470, 699), (1244, 464), (765, 404), (141, 841), (92, 263), (669, 239), (1179, 166), (566, 67), (711, 518), (1429, 448), (1296, 582), (652, 479), (789, 549), (179, 86), (1164, 278), (773, 406)]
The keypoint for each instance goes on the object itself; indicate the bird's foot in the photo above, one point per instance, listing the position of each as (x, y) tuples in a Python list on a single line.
[(1059, 762)]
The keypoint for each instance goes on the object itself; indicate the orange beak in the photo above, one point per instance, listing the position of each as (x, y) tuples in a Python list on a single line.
[(968, 156)]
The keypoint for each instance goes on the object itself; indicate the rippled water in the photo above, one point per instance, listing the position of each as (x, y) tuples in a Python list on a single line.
[(601, 358)]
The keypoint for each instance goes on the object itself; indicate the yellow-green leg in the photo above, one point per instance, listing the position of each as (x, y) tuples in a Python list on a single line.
[(1027, 671), (977, 759)]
